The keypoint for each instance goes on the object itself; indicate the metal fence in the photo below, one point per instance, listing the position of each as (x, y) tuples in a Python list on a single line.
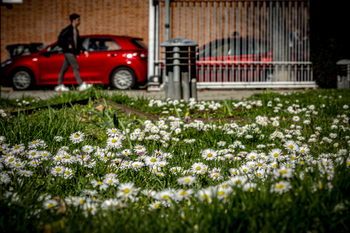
[(242, 44)]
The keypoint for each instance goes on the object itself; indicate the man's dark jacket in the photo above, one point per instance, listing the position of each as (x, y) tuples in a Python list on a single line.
[(66, 38)]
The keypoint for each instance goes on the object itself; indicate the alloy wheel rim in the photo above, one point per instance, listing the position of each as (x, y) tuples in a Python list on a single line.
[(21, 80), (123, 79)]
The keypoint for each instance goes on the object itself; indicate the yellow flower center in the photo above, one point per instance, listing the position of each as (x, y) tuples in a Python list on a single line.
[(156, 205), (58, 169), (99, 183), (275, 154), (221, 193), (198, 168), (50, 205), (291, 146), (16, 147), (280, 186), (153, 160), (209, 155), (126, 191), (283, 172), (183, 193), (11, 160), (76, 136), (67, 173), (114, 141)]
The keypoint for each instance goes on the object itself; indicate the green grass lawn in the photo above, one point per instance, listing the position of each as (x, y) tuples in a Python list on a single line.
[(94, 168)]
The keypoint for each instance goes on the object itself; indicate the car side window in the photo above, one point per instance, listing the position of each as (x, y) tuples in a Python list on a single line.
[(102, 44), (55, 49)]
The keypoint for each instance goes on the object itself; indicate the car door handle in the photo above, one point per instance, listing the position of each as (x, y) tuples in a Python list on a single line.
[(112, 54)]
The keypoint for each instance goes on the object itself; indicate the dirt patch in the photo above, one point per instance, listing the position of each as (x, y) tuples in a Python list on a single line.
[(128, 110)]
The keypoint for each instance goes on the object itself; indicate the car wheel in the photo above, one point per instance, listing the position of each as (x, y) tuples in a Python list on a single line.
[(22, 79), (123, 78)]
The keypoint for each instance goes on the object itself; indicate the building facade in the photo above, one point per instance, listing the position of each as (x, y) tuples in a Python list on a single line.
[(43, 20)]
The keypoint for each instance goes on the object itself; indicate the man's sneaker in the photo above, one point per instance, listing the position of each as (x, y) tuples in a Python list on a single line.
[(84, 86), (61, 87)]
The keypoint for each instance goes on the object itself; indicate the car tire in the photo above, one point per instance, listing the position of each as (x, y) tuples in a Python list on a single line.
[(22, 79), (123, 78)]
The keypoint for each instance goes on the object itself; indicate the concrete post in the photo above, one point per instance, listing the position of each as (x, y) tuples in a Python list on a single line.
[(170, 86), (177, 83), (185, 86), (194, 88)]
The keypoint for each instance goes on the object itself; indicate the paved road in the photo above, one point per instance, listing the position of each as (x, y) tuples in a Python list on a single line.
[(202, 94)]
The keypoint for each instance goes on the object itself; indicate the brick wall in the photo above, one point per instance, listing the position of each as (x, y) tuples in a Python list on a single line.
[(43, 20)]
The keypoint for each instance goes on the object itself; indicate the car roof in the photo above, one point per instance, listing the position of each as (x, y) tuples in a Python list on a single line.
[(124, 41), (110, 36)]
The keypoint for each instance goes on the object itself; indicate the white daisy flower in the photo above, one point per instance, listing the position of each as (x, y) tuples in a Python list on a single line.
[(58, 138), (187, 180), (127, 190), (209, 154), (114, 142), (77, 137), (281, 187), (50, 204)]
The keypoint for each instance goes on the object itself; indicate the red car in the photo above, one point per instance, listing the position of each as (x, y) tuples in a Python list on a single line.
[(234, 60), (120, 61)]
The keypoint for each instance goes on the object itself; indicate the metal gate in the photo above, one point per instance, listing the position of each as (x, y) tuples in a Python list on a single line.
[(242, 44)]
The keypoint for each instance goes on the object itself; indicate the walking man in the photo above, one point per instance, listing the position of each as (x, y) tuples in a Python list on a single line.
[(71, 45)]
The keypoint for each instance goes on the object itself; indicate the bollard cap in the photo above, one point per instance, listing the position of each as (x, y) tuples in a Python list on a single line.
[(179, 42), (343, 62)]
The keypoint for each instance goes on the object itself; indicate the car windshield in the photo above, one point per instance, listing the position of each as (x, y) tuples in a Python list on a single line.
[(233, 47)]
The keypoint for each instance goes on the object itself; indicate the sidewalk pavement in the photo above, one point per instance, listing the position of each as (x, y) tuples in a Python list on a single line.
[(203, 94)]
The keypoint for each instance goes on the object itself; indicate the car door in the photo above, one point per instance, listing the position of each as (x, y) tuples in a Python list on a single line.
[(103, 55), (50, 64)]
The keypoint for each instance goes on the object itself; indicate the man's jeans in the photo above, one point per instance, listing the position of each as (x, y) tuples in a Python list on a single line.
[(69, 59)]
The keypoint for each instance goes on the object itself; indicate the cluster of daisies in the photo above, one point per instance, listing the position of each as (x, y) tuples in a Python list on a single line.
[(227, 165)]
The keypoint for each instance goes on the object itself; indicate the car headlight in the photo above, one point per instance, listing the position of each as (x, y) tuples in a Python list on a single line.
[(5, 63)]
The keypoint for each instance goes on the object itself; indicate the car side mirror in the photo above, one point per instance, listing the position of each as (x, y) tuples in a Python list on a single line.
[(45, 54)]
